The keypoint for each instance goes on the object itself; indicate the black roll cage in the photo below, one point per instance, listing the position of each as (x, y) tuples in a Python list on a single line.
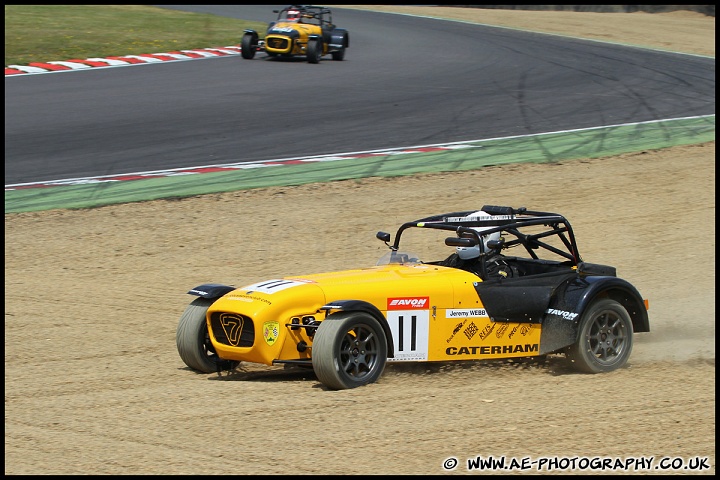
[(504, 219), (322, 14)]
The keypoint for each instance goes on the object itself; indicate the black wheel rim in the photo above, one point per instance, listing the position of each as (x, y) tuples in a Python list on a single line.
[(359, 352), (208, 348), (607, 337)]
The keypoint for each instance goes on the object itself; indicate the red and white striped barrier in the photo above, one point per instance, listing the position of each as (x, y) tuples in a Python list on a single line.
[(229, 167), (127, 60)]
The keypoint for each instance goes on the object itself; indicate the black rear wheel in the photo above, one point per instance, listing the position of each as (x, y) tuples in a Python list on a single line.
[(605, 338), (339, 54)]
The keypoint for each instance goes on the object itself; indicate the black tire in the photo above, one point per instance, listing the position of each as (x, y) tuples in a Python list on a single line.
[(349, 350), (339, 54), (248, 47), (605, 338), (193, 340), (314, 51)]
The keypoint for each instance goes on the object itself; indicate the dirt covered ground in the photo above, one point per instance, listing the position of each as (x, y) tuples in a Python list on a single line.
[(94, 385)]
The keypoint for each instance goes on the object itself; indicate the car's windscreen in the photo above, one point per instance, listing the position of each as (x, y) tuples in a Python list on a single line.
[(421, 244)]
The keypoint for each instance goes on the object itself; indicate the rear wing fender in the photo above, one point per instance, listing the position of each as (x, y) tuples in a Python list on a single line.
[(339, 38), (561, 321)]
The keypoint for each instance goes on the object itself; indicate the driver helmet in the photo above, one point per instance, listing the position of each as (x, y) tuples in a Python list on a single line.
[(293, 15), (468, 253)]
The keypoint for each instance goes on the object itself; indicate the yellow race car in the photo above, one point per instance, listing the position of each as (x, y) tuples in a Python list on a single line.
[(300, 30), (450, 292)]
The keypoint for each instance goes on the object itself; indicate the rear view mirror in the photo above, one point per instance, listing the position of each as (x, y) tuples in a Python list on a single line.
[(385, 237)]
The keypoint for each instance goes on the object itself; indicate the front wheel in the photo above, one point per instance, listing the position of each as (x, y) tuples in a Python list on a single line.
[(248, 46), (193, 340), (605, 338), (314, 51), (349, 350)]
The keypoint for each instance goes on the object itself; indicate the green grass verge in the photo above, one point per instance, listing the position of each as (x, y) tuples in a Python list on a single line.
[(42, 33), (548, 148)]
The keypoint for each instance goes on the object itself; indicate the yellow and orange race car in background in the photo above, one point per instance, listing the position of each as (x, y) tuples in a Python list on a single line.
[(450, 292), (300, 30)]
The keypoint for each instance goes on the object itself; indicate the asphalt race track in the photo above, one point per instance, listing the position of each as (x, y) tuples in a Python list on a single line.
[(97, 272), (405, 81)]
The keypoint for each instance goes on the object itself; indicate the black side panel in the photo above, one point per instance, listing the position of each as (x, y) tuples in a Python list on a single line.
[(596, 269), (523, 299)]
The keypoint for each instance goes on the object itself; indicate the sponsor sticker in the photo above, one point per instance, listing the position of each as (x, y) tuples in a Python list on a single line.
[(474, 219), (487, 330), (562, 313), (465, 312), (457, 328), (501, 330), (271, 330), (405, 303), (471, 330), (492, 349)]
